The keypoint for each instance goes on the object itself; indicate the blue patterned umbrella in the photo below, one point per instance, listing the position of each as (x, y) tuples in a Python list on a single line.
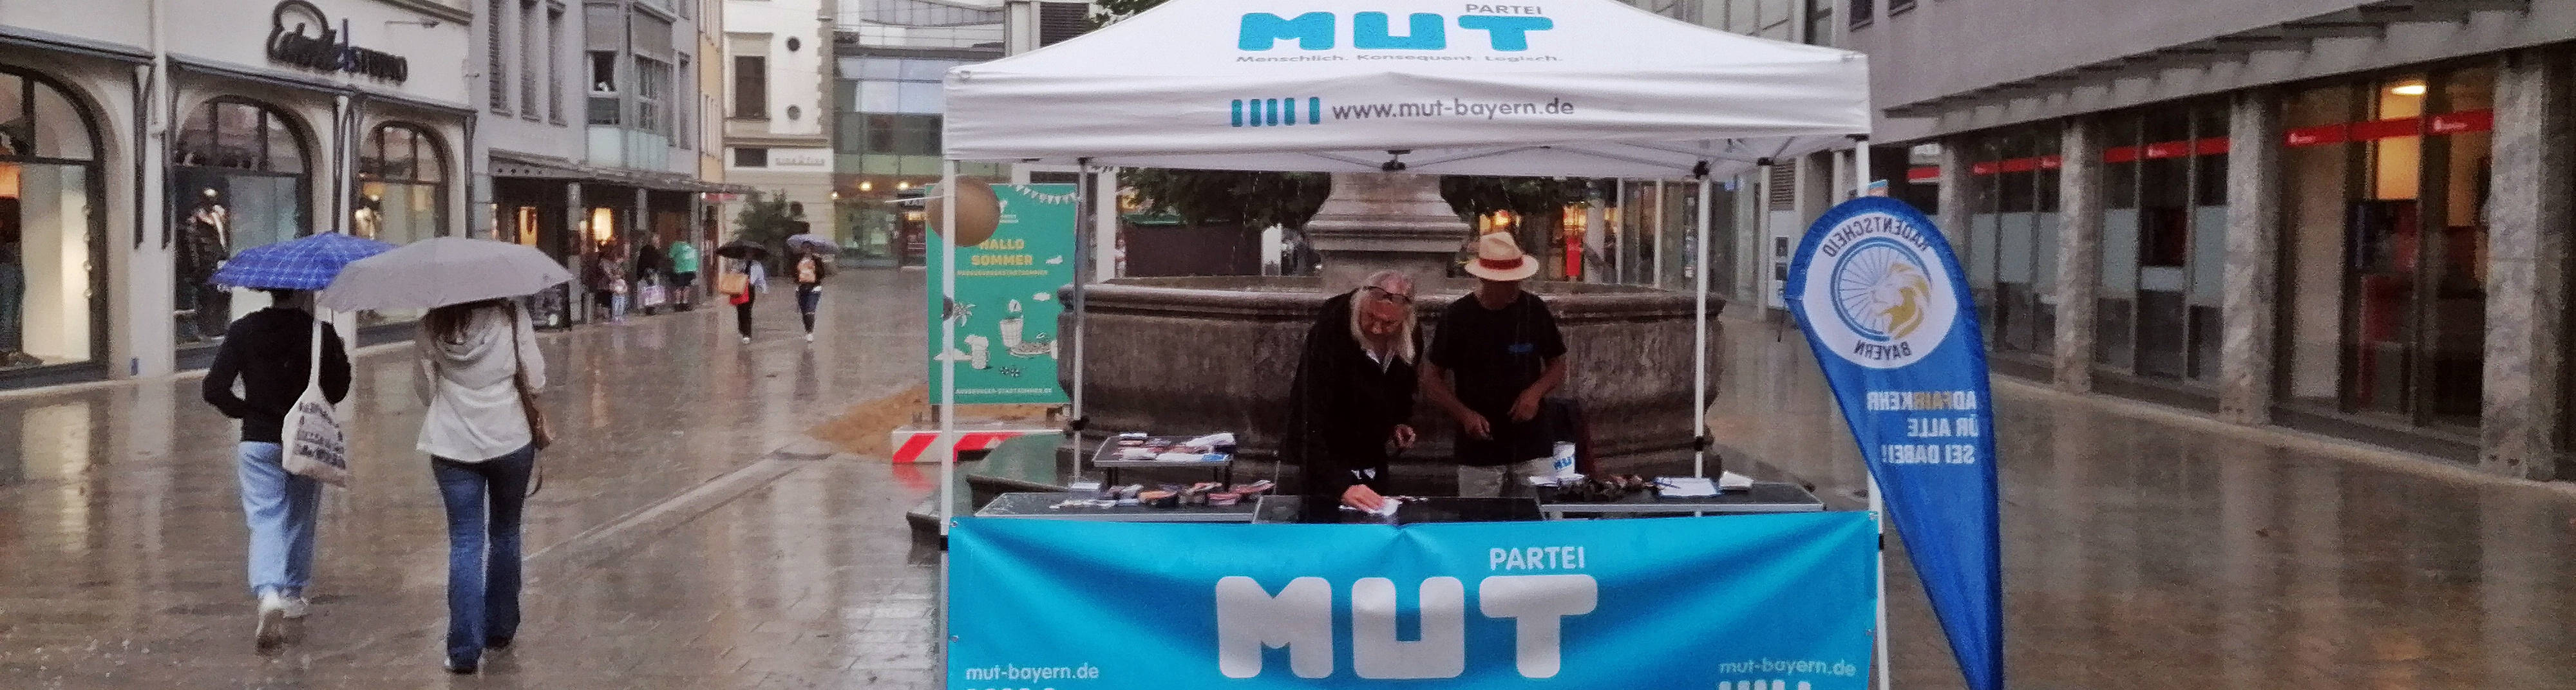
[(307, 263)]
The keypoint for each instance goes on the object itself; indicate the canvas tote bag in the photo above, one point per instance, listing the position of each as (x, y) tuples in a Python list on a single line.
[(315, 444)]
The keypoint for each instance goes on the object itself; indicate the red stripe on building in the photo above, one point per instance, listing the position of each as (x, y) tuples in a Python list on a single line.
[(2387, 129), (1985, 168), (2209, 147), (2168, 149), (2320, 134), (2021, 165), (2465, 121), (1923, 174), (2052, 162), (2122, 154)]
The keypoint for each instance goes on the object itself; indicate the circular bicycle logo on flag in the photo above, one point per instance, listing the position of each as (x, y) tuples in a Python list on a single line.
[(1873, 291)]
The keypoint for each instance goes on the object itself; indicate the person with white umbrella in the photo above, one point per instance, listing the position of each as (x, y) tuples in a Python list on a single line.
[(479, 360)]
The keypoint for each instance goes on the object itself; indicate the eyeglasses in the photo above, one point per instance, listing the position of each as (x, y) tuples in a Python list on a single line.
[(1389, 294)]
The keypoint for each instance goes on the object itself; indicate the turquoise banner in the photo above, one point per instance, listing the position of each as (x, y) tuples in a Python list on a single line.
[(1755, 602), (1006, 348)]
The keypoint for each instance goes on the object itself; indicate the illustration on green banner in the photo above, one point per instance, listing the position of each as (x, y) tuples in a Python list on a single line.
[(1006, 307)]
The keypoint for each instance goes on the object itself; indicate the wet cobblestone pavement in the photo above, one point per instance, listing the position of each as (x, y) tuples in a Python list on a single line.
[(691, 537)]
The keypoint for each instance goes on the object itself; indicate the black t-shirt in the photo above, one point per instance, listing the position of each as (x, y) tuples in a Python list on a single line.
[(1493, 355)]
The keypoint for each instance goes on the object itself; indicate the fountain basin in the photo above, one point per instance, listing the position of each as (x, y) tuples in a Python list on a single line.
[(1185, 355)]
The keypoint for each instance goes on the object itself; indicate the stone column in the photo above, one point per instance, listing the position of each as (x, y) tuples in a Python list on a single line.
[(1379, 221), (1954, 198), (2079, 251), (2527, 267), (2246, 355)]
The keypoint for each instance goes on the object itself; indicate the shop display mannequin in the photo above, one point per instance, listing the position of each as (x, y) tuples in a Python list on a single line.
[(13, 294), (205, 243), (369, 216)]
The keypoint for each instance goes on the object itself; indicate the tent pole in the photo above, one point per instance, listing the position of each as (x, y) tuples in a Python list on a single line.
[(1860, 167), (1619, 231), (1084, 223), (1659, 233), (1877, 502), (946, 447), (1699, 338)]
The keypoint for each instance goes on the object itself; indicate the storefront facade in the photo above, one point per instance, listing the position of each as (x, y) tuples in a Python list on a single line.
[(2358, 229), (277, 128)]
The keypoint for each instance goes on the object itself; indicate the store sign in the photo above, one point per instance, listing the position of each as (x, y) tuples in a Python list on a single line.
[(1883, 303), (1754, 601), (810, 159), (299, 35), (1006, 349)]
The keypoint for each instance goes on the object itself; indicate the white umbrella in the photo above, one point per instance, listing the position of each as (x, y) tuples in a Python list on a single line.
[(440, 271)]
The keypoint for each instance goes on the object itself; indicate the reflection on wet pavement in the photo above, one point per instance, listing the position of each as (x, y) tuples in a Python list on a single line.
[(673, 548), (2152, 551), (121, 537)]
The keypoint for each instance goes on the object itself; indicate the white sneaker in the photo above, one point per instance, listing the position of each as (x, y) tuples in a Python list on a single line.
[(297, 606), (746, 340), (272, 621), (809, 337)]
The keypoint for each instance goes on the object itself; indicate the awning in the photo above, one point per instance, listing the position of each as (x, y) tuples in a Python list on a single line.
[(520, 165)]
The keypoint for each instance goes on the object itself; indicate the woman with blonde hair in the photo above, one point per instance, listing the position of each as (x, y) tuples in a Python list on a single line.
[(482, 366)]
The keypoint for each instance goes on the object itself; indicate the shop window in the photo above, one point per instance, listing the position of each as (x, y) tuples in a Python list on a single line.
[(51, 242), (2164, 247), (237, 180), (2012, 245), (402, 195), (2386, 249)]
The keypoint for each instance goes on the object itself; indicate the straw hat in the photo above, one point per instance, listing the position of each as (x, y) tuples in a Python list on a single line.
[(1498, 258)]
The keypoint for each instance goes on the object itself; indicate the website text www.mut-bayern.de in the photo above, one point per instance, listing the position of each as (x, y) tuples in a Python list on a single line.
[(1449, 108)]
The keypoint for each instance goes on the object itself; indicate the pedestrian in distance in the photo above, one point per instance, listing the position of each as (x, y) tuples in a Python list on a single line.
[(482, 367), (684, 274), (607, 281), (811, 268), (268, 352), (746, 279)]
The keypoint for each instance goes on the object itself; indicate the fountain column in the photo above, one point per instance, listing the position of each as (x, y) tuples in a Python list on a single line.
[(1381, 221)]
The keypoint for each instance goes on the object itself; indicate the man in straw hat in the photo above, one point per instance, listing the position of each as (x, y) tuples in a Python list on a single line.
[(1496, 355)]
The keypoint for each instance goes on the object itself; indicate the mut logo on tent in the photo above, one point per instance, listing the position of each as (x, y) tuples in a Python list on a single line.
[(1277, 112), (1375, 31)]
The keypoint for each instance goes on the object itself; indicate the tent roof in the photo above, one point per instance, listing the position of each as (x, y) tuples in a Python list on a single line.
[(1540, 87)]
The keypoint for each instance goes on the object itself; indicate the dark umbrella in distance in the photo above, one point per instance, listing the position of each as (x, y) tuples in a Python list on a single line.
[(743, 250)]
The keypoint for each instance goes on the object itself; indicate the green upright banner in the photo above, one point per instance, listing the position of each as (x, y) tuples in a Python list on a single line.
[(1006, 303)]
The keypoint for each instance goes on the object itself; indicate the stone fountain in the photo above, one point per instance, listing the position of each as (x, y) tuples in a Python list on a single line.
[(1194, 354)]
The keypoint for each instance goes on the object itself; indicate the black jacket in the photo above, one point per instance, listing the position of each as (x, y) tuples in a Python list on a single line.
[(267, 352), (1343, 407)]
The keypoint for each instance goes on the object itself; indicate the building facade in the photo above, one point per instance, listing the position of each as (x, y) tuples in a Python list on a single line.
[(125, 180), (2343, 217), (593, 123), (891, 57), (777, 119)]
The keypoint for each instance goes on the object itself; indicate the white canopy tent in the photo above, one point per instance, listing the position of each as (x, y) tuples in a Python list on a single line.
[(1558, 88)]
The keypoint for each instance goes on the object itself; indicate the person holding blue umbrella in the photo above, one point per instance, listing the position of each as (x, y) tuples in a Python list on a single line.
[(271, 354)]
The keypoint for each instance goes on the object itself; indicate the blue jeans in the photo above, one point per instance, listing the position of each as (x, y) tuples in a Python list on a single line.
[(281, 509), (482, 552), (808, 298)]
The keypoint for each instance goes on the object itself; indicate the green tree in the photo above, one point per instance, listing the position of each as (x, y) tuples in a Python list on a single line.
[(1256, 199), (767, 221)]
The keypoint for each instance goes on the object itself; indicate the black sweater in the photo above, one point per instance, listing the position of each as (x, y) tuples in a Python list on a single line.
[(1343, 407), (267, 352)]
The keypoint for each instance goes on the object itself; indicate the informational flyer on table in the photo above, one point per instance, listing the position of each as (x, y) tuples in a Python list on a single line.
[(1006, 348)]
